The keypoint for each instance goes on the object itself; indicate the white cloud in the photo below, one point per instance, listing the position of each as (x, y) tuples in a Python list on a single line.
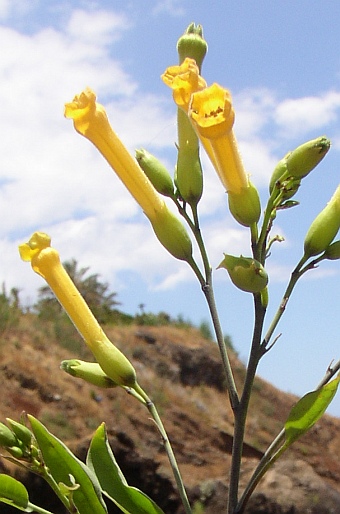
[(300, 115), (172, 7), (96, 27)]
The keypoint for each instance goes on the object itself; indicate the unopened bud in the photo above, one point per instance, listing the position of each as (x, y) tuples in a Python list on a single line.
[(192, 44), (324, 228), (21, 431), (89, 371), (286, 184), (189, 176), (7, 437), (306, 157), (156, 172), (172, 235), (245, 206), (246, 273)]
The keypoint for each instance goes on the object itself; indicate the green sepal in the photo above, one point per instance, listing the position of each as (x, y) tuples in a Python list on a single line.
[(61, 463), (333, 251), (245, 206), (112, 481), (245, 273), (14, 493), (308, 410)]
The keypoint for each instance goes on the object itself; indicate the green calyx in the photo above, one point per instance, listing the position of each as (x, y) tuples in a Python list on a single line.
[(245, 273), (245, 206), (332, 252), (172, 235), (192, 44), (324, 228), (156, 172)]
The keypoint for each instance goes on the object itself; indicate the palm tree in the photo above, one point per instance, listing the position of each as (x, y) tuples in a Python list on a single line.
[(95, 293)]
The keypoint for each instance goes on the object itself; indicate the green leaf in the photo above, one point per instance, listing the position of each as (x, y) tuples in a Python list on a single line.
[(308, 410), (61, 463), (13, 492), (112, 481)]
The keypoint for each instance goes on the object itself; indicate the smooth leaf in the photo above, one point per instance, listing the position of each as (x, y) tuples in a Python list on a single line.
[(61, 463), (112, 481), (308, 410), (13, 492)]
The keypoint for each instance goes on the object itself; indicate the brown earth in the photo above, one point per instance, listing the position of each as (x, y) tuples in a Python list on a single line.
[(181, 372)]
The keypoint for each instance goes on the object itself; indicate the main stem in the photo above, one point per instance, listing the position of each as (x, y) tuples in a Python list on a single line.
[(242, 410)]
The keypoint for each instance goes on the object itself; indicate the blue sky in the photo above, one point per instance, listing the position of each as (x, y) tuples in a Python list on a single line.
[(281, 62)]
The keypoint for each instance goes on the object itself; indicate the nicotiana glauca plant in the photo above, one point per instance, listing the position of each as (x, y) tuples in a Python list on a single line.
[(205, 118)]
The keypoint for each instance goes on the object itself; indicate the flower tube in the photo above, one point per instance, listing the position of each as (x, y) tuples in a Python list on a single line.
[(212, 115), (91, 121), (46, 262)]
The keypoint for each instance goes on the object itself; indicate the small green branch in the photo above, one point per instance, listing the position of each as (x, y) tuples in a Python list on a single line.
[(167, 445), (275, 450), (37, 509)]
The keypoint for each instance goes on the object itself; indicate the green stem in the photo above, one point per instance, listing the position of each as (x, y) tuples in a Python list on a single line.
[(275, 450), (242, 410), (37, 509), (167, 445)]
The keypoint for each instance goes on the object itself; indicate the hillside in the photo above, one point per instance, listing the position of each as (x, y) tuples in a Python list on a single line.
[(181, 371)]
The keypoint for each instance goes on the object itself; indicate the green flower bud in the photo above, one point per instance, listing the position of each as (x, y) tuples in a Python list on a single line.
[(192, 44), (89, 371), (7, 437), (21, 431), (246, 273), (245, 206), (324, 228), (333, 251), (286, 185), (156, 172), (189, 176), (172, 235), (16, 452), (306, 157)]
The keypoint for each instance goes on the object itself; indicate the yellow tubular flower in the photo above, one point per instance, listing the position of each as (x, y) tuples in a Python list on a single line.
[(212, 115), (91, 121), (46, 262), (184, 80)]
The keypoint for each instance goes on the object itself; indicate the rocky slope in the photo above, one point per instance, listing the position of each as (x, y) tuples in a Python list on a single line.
[(181, 371)]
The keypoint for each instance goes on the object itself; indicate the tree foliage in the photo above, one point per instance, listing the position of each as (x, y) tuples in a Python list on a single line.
[(96, 293)]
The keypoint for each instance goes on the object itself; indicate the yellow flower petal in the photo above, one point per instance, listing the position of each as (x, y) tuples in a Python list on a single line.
[(184, 80), (211, 111), (212, 115), (91, 121)]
